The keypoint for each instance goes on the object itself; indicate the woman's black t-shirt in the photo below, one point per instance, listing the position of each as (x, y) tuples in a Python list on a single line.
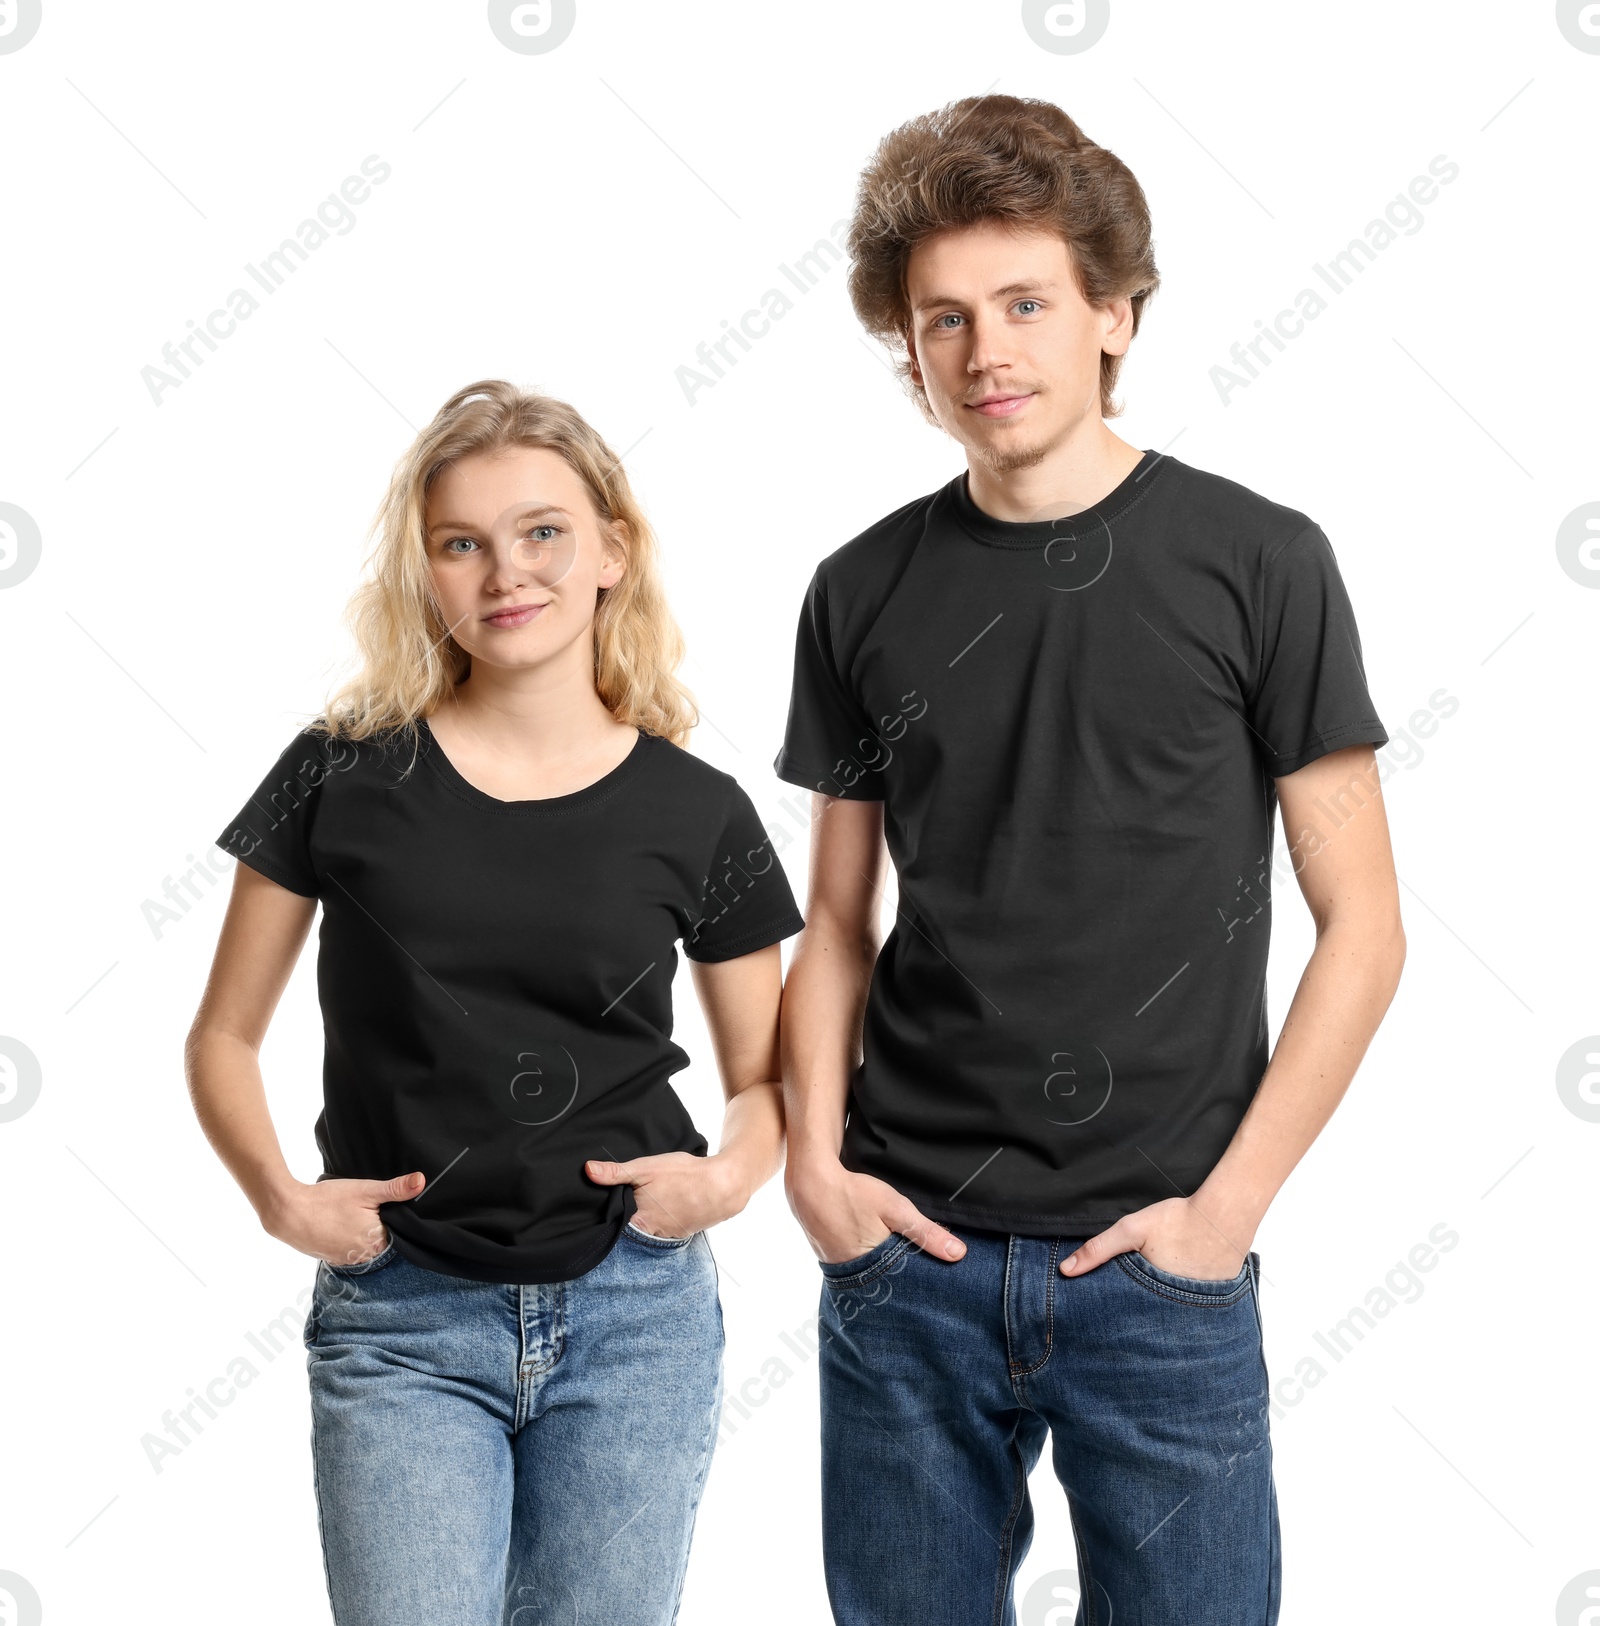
[(496, 978)]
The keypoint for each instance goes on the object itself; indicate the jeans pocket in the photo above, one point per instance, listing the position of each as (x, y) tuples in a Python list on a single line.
[(649, 1240), (364, 1267), (868, 1266), (1187, 1289)]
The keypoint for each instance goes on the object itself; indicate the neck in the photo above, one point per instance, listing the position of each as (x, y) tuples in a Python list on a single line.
[(1085, 464), (552, 708)]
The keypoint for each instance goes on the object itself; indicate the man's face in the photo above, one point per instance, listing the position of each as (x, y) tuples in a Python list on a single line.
[(1002, 342)]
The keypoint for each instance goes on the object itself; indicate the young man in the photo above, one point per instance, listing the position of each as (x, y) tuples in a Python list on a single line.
[(1031, 1138)]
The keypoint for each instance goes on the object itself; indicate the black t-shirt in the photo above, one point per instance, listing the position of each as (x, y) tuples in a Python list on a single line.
[(1074, 729), (496, 979)]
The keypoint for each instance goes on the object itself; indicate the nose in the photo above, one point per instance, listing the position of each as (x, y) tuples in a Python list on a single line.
[(991, 347), (506, 572)]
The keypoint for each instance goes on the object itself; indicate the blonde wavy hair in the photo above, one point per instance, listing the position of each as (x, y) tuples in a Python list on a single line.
[(409, 662)]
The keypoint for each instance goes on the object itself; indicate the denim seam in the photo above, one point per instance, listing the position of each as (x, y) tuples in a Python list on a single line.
[(872, 1271), (663, 1244), (364, 1267), (558, 1326), (1179, 1295), (322, 1542), (1019, 1496), (1261, 1332), (1049, 1314), (528, 1370), (312, 1318), (316, 1491), (1005, 1304), (1086, 1582), (1273, 1577), (699, 1488), (522, 1401)]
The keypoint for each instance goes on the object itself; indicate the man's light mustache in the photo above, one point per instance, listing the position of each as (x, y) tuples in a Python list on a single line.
[(1004, 389)]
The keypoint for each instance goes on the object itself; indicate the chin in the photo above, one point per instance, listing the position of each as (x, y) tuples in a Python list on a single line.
[(1007, 455), (508, 654)]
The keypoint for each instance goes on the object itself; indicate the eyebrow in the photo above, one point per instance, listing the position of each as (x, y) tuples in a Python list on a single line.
[(525, 513), (1011, 288)]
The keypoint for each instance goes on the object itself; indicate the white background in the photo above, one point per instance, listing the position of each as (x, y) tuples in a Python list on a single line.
[(579, 221)]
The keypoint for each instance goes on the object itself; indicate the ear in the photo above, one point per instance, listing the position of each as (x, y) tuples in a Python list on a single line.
[(1117, 334), (614, 554), (911, 356)]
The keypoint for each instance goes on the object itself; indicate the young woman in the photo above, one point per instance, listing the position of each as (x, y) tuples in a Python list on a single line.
[(514, 1340)]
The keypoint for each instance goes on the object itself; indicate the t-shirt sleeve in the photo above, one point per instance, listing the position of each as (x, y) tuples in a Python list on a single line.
[(272, 831), (1310, 695), (830, 744), (746, 903)]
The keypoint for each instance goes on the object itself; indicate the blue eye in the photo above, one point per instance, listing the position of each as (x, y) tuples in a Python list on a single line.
[(949, 316), (550, 529), (1022, 302), (464, 541)]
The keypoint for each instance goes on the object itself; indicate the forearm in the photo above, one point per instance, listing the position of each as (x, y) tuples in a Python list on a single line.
[(823, 1002), (1346, 988), (751, 1147), (230, 1100)]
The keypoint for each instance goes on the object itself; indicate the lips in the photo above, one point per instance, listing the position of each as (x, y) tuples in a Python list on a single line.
[(519, 615), (1001, 406)]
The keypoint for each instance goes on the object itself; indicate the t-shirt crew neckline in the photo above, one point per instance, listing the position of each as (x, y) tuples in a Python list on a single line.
[(1001, 533), (608, 784)]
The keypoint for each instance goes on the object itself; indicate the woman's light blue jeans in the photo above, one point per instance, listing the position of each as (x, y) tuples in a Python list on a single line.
[(493, 1455)]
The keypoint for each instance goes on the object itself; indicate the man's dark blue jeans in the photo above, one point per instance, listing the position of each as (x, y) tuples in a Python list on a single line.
[(939, 1384)]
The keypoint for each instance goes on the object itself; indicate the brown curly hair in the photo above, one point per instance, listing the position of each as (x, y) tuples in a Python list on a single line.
[(1006, 158)]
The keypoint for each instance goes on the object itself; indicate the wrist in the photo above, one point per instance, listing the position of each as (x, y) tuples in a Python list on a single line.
[(1235, 1210), (277, 1204), (809, 1177), (807, 1171), (811, 1153), (734, 1180)]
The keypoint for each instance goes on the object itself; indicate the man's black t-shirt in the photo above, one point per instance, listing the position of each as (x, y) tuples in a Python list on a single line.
[(1074, 729), (496, 979)]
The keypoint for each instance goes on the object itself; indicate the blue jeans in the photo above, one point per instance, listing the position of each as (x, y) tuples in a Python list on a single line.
[(939, 1384), (513, 1456)]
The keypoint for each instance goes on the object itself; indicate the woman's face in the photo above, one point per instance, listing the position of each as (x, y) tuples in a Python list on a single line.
[(517, 555)]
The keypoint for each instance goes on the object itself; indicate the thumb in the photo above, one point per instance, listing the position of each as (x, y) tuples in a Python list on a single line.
[(911, 1222), (1098, 1249), (610, 1174), (401, 1189)]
